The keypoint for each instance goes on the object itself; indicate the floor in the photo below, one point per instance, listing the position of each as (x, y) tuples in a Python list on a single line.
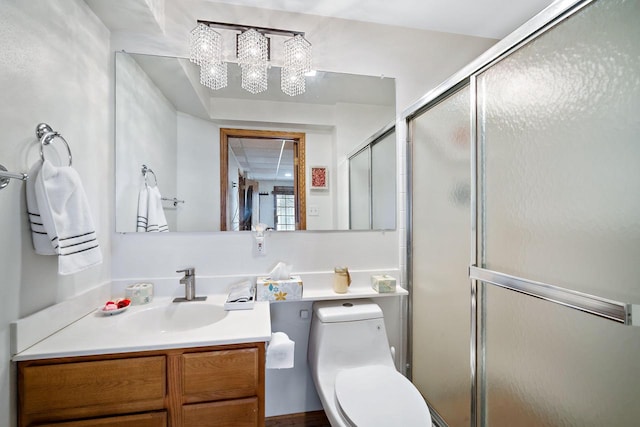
[(305, 419)]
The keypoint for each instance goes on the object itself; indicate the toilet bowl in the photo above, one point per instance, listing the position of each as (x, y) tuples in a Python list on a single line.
[(354, 372)]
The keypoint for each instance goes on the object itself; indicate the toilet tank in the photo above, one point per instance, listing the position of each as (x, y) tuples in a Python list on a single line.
[(347, 334)]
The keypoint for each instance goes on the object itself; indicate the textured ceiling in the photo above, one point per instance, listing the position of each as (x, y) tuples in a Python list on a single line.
[(482, 18)]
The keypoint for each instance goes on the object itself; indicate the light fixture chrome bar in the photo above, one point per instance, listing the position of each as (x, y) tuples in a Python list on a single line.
[(242, 28), (592, 304)]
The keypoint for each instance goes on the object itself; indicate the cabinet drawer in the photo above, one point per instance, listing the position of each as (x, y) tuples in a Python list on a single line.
[(224, 374), (152, 419), (94, 388), (230, 413)]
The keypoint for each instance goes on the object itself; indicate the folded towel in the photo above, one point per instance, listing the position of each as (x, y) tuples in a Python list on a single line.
[(156, 220), (241, 292), (41, 242), (143, 209), (66, 217)]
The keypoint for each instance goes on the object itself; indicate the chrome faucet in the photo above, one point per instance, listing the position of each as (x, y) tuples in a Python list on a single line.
[(189, 282)]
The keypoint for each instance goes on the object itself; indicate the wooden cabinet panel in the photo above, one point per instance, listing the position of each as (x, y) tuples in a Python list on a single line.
[(224, 374), (94, 388), (204, 386), (152, 419), (232, 413)]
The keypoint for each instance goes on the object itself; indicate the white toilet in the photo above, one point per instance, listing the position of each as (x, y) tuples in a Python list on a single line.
[(354, 373)]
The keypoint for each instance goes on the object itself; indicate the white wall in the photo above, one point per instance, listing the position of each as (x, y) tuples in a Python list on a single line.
[(321, 152), (56, 67), (198, 174)]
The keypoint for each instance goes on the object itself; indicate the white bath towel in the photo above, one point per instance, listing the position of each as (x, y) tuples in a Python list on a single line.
[(66, 217), (41, 242), (143, 210), (156, 221)]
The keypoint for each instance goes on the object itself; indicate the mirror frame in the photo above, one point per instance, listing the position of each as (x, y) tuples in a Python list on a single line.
[(299, 187)]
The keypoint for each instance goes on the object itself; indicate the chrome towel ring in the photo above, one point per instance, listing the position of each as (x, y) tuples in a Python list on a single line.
[(145, 170), (46, 136)]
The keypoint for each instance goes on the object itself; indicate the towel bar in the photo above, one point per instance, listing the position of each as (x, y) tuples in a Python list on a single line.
[(172, 200), (6, 176)]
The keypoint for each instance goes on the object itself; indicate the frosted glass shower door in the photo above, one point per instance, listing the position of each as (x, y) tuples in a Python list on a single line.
[(360, 191), (559, 175), (440, 198), (383, 183)]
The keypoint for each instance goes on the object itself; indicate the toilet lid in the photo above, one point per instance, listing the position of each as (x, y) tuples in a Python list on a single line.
[(379, 396)]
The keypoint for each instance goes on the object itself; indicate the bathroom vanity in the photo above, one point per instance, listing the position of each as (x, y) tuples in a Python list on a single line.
[(204, 386), (158, 364), (131, 370)]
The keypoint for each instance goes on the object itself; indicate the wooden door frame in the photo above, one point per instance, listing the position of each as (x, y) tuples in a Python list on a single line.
[(299, 167)]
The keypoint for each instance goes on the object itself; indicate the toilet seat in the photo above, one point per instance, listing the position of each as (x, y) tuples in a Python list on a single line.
[(378, 395)]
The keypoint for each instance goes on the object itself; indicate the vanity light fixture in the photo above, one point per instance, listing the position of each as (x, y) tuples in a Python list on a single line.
[(253, 51)]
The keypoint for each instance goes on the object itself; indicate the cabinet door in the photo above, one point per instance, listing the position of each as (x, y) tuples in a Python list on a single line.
[(216, 375), (152, 419), (89, 389), (231, 413)]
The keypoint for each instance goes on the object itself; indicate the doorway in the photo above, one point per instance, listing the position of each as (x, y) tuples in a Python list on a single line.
[(269, 161)]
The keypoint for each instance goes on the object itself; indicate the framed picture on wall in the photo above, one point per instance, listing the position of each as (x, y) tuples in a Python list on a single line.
[(319, 178)]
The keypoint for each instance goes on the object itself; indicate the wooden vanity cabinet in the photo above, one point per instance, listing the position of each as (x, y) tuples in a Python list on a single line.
[(196, 387)]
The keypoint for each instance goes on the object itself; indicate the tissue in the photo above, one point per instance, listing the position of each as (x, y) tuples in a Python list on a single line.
[(280, 285), (280, 352), (281, 271)]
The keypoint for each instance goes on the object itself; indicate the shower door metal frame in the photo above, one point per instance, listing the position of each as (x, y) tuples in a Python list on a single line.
[(613, 310)]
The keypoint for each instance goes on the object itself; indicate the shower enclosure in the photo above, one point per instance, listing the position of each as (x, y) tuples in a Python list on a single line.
[(524, 249)]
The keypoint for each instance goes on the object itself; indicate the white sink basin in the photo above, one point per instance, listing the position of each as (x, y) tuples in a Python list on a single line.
[(175, 317)]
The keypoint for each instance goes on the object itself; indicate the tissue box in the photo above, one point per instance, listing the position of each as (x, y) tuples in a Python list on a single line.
[(383, 283), (279, 290)]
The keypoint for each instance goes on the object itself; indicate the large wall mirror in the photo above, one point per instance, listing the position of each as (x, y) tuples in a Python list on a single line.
[(226, 160)]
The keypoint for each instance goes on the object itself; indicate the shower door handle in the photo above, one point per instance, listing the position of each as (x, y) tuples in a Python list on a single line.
[(625, 313)]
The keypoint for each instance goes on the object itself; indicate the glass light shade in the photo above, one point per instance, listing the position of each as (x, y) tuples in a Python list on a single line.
[(297, 62), (253, 48), (205, 45), (254, 78), (292, 82), (253, 57), (214, 75)]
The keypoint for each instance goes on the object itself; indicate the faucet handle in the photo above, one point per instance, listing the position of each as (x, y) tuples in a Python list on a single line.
[(191, 271)]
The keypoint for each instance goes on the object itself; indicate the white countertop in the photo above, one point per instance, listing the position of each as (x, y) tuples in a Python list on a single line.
[(96, 333)]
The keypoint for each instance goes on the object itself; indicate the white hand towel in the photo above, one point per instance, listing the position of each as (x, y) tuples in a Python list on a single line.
[(41, 242), (66, 217), (143, 210), (241, 292), (156, 219)]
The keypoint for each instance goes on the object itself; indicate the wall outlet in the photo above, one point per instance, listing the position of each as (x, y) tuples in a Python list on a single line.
[(313, 211), (260, 247)]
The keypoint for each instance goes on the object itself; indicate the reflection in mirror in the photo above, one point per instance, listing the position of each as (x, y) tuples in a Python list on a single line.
[(167, 120), (372, 192), (262, 179)]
